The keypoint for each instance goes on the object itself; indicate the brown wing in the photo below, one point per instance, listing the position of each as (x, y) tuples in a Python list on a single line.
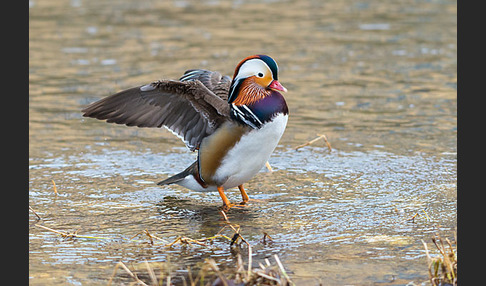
[(214, 81), (189, 109)]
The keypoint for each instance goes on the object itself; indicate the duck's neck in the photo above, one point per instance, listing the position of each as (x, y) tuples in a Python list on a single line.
[(259, 112)]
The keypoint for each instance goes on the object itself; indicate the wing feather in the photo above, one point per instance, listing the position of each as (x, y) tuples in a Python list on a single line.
[(214, 81), (190, 109)]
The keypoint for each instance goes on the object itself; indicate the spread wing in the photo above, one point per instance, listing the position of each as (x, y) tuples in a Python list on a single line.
[(188, 108)]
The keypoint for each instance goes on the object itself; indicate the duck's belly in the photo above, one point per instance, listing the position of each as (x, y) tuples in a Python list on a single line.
[(251, 153), (245, 159)]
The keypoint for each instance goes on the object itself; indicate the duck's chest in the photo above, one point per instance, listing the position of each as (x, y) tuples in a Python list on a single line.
[(240, 147), (251, 152)]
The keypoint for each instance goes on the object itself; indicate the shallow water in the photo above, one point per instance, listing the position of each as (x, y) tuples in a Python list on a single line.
[(378, 79)]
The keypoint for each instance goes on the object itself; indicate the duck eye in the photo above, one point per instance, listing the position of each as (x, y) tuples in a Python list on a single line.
[(260, 74)]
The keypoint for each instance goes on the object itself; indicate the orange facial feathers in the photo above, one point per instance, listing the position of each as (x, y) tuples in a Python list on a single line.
[(251, 91)]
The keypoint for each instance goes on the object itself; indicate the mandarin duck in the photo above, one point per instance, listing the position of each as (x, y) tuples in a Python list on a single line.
[(233, 124)]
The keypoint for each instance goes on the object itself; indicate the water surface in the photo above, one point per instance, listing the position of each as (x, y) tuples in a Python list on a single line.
[(379, 79)]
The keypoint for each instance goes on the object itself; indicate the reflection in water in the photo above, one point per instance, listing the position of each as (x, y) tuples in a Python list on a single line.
[(378, 78)]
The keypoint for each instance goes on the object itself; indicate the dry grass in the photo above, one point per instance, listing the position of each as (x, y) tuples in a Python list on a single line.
[(443, 267), (418, 214), (319, 136), (164, 273), (35, 213), (209, 273), (54, 187)]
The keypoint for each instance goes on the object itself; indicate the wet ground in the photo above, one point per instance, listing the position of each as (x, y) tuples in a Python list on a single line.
[(379, 79)]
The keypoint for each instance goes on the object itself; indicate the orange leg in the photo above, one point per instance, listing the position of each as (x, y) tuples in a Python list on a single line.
[(244, 196), (223, 196)]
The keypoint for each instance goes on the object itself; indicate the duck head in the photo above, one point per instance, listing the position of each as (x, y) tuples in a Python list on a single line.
[(255, 78)]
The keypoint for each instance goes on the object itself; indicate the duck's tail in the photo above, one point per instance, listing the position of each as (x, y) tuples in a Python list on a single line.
[(179, 177)]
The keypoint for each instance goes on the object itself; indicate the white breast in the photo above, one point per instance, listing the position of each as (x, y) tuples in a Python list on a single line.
[(251, 153)]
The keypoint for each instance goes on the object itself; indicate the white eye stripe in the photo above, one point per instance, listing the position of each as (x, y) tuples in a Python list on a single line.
[(253, 67)]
